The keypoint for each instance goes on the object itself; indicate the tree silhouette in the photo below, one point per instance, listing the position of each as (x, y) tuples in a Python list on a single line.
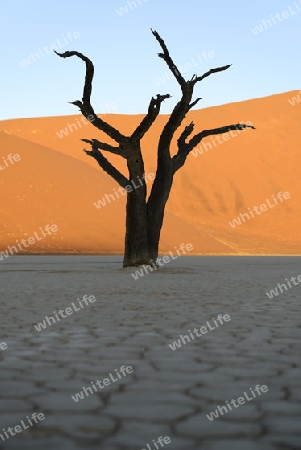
[(144, 217)]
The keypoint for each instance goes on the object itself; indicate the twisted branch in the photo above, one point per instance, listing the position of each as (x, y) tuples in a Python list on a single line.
[(85, 105)]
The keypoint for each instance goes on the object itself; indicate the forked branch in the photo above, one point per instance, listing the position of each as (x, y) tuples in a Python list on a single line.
[(184, 148), (107, 166), (106, 147), (148, 120)]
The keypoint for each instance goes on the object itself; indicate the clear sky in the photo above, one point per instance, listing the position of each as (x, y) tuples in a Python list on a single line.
[(199, 34)]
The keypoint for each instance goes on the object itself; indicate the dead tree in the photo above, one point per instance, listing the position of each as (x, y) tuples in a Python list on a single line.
[(144, 217)]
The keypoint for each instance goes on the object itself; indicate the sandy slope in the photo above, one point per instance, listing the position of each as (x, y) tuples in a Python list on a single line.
[(47, 187), (55, 182)]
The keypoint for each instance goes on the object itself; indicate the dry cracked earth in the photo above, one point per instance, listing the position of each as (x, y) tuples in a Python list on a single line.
[(131, 323)]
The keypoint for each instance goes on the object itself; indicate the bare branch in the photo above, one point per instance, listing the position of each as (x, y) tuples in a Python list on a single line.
[(184, 148), (148, 120), (187, 131), (194, 103), (107, 166), (210, 72), (85, 105), (89, 73), (167, 58), (107, 147), (179, 111), (183, 106), (198, 137), (77, 103)]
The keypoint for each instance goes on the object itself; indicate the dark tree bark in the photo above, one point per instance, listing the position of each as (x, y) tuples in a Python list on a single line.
[(144, 217)]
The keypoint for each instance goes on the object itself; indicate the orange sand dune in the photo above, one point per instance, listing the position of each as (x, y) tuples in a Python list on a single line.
[(47, 187), (56, 182)]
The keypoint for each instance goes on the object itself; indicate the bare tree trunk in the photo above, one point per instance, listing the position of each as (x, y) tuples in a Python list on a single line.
[(143, 228), (136, 242), (154, 226), (144, 218), (156, 207)]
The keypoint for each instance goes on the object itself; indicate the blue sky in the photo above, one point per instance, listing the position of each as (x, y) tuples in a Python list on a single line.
[(199, 34)]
